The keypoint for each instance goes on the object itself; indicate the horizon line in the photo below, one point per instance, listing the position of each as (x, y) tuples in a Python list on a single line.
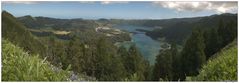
[(98, 18)]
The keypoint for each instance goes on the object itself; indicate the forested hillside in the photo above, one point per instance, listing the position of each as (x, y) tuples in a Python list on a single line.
[(173, 30), (17, 33), (208, 52), (65, 29), (92, 54), (177, 30), (172, 64), (56, 24), (222, 66)]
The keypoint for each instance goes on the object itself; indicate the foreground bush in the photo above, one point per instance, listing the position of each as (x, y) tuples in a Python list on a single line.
[(20, 66), (221, 68)]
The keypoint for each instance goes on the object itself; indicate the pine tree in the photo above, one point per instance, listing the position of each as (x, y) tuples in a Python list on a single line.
[(176, 64), (163, 66), (222, 32), (136, 65), (193, 55), (108, 66), (133, 59), (212, 42), (231, 31)]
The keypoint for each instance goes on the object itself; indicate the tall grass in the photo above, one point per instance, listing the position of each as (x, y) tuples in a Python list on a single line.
[(18, 65)]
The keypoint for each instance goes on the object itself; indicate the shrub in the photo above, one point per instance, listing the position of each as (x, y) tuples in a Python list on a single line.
[(221, 68)]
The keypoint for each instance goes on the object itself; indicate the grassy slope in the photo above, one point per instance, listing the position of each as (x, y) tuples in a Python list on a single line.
[(221, 67), (18, 65)]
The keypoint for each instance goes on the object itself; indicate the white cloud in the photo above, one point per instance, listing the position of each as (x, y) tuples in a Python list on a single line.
[(20, 2), (87, 2), (105, 2), (219, 7), (112, 2)]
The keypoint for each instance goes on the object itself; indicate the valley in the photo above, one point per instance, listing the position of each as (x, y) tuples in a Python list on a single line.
[(118, 48), (148, 47), (120, 34)]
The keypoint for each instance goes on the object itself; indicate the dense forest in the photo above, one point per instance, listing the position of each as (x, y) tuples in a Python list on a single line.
[(49, 49), (177, 30)]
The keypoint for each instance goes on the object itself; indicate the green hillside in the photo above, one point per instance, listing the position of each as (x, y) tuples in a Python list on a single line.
[(17, 33), (177, 30), (91, 54), (206, 54), (55, 23), (18, 65), (222, 66)]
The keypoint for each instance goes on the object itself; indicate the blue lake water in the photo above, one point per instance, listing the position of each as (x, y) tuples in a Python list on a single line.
[(148, 47)]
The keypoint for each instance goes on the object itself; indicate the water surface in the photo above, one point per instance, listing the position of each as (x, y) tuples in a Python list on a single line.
[(148, 47)]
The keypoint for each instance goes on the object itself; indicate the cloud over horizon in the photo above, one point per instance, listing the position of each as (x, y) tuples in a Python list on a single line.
[(219, 6), (179, 6)]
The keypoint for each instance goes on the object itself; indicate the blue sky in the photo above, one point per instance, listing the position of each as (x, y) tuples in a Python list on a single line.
[(119, 10)]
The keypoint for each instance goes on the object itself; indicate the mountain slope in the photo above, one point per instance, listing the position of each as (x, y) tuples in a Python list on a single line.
[(176, 30), (18, 65), (17, 33), (55, 23), (222, 66)]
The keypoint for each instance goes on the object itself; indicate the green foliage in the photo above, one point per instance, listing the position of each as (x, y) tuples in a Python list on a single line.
[(106, 61), (96, 57), (54, 23), (227, 32), (221, 68), (168, 65), (217, 38), (94, 54), (163, 66), (178, 74), (193, 55), (177, 30), (136, 63), (213, 39), (18, 65), (133, 77), (74, 55), (212, 42), (16, 33)]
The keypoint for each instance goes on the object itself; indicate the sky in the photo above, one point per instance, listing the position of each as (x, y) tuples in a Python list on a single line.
[(118, 10)]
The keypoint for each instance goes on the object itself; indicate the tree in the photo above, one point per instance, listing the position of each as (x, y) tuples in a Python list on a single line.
[(176, 64), (163, 66), (193, 55), (135, 66), (167, 66), (123, 55), (108, 66), (227, 32), (52, 52), (18, 34), (231, 28), (136, 63), (212, 42), (122, 51), (74, 54)]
